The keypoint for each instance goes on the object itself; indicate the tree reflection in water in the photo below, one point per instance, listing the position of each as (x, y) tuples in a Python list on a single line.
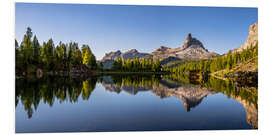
[(30, 91)]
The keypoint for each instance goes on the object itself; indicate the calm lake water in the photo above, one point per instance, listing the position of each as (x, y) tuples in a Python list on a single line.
[(132, 103)]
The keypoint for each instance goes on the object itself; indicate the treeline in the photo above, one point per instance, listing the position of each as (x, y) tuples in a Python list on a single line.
[(30, 55), (227, 61), (137, 65)]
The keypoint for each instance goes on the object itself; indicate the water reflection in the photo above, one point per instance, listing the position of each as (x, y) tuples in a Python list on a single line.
[(191, 95), (30, 92), (247, 96)]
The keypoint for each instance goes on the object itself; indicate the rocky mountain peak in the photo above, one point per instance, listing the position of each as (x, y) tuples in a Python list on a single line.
[(191, 49), (112, 55), (162, 48), (109, 58), (189, 37), (190, 41), (252, 38), (253, 34), (132, 51)]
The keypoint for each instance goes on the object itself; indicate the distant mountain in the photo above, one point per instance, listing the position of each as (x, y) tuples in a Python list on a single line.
[(130, 54), (252, 38), (109, 58), (191, 49), (112, 55), (133, 53)]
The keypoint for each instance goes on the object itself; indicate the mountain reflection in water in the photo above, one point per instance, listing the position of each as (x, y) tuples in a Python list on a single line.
[(191, 95), (30, 92)]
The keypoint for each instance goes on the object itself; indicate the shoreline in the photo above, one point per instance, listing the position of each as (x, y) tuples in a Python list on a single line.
[(117, 72)]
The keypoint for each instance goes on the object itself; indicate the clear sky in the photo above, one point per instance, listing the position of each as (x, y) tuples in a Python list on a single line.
[(109, 28)]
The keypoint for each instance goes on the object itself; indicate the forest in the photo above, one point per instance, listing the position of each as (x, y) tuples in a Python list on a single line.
[(137, 65), (31, 55)]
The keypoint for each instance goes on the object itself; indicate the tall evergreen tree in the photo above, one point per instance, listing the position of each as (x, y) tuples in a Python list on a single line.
[(36, 50), (27, 48)]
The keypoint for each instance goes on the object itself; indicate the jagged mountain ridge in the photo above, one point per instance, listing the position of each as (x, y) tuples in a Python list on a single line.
[(192, 49), (130, 54)]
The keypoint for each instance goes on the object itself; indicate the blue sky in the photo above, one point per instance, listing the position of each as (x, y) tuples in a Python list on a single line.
[(117, 27)]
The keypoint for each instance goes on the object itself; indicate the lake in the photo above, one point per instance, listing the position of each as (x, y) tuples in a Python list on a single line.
[(132, 103)]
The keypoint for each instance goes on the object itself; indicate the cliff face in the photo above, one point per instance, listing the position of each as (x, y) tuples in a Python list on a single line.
[(252, 38)]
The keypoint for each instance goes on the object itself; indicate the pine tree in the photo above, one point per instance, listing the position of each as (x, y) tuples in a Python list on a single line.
[(86, 58), (36, 50), (27, 48)]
